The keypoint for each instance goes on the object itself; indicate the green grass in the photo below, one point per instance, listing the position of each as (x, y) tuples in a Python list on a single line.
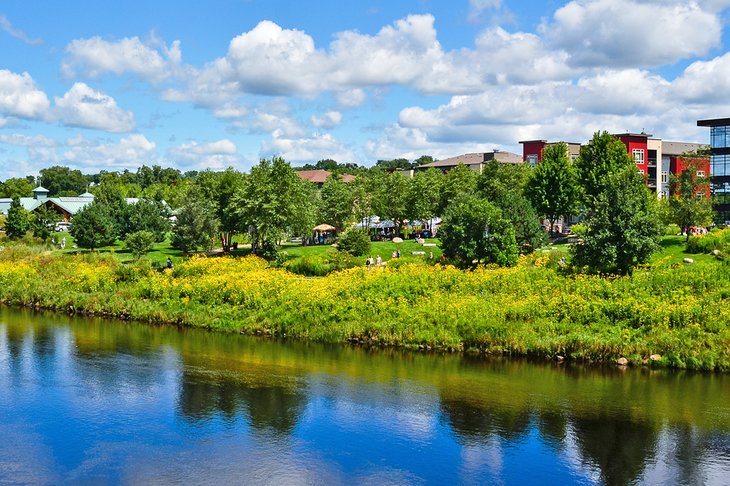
[(672, 251)]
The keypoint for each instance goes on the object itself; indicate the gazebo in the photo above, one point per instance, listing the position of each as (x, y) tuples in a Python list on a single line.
[(322, 232)]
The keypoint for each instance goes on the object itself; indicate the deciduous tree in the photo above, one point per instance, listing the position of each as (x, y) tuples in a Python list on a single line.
[(553, 185), (473, 231)]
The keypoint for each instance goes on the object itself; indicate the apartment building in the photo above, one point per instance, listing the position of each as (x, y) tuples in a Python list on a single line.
[(654, 157), (719, 166)]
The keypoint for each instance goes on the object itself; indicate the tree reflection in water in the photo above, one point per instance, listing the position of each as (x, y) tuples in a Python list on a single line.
[(205, 394)]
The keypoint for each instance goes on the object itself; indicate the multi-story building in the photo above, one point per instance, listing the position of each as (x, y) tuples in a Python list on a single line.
[(474, 161), (654, 157), (719, 166)]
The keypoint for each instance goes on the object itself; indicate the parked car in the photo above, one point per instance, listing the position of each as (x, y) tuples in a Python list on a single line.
[(63, 226)]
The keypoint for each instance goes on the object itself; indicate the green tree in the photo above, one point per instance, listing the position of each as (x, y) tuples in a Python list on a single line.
[(369, 194), (17, 223), (394, 204), (336, 202), (273, 201), (553, 185), (196, 225), (473, 231), (604, 155), (523, 218), (144, 215), (689, 205), (354, 241), (44, 220), (94, 226), (458, 181), (220, 188), (139, 243), (623, 226), (424, 195), (16, 187), (498, 179), (63, 181)]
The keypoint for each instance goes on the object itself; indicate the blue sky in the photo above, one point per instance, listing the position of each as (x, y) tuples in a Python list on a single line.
[(225, 83)]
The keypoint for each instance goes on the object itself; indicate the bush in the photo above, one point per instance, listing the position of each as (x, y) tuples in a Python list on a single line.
[(354, 241), (268, 251), (139, 242), (716, 240), (672, 229), (309, 267)]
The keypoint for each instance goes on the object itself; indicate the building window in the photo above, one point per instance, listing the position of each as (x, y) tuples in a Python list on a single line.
[(700, 173), (665, 177), (532, 160), (638, 155)]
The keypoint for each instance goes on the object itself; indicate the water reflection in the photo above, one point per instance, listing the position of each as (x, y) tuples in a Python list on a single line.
[(84, 399), (268, 408)]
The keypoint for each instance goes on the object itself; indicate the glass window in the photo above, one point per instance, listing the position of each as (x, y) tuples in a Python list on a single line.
[(532, 160), (665, 177), (700, 173), (720, 137), (638, 155)]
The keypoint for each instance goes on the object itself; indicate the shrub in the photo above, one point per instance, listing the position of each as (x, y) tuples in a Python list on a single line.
[(309, 267), (716, 240), (354, 241), (139, 242)]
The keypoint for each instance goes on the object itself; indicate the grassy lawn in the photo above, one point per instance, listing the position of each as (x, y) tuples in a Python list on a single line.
[(672, 250)]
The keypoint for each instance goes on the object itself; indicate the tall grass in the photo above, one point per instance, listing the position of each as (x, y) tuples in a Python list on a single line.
[(535, 308)]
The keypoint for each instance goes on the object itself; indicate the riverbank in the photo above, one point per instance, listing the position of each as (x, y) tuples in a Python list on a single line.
[(678, 315)]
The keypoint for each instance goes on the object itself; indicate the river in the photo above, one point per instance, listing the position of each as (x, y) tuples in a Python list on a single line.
[(95, 401)]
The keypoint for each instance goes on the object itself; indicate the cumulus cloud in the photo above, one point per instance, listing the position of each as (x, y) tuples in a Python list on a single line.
[(96, 56), (83, 106), (328, 120), (307, 149), (214, 155), (621, 33), (705, 81), (351, 98), (20, 97), (129, 152)]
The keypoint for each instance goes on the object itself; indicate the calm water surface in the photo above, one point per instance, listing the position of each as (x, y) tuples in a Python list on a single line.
[(91, 401)]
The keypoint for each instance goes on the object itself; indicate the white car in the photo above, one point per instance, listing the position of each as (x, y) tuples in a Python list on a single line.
[(63, 226)]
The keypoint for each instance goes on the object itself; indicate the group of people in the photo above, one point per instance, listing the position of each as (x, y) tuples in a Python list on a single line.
[(373, 262)]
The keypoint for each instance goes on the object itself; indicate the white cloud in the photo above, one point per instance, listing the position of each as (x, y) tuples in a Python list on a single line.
[(214, 155), (130, 152), (328, 120), (617, 33), (83, 106), (20, 97), (502, 57), (27, 141), (705, 81), (307, 149), (351, 98), (17, 33), (96, 56), (625, 92)]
